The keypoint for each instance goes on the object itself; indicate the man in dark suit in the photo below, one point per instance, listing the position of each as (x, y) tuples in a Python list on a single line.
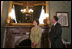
[(55, 34)]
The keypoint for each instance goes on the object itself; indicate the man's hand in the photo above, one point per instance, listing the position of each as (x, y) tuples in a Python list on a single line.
[(49, 40)]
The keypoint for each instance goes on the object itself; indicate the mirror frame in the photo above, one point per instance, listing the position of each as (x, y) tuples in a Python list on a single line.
[(10, 4)]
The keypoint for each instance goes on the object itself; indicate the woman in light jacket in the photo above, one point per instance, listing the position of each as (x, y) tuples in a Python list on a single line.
[(36, 34)]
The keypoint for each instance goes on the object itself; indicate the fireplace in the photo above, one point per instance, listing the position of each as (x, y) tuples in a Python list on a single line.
[(19, 37), (24, 44)]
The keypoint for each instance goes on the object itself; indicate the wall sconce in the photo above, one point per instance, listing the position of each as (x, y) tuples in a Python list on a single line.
[(46, 15), (8, 20), (10, 14)]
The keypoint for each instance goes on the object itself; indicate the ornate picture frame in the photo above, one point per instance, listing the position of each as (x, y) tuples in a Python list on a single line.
[(63, 18), (28, 17)]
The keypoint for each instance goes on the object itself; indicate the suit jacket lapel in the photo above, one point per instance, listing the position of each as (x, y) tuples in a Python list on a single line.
[(53, 28)]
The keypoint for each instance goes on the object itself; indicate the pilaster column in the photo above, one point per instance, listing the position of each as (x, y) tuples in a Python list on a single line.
[(47, 7), (47, 12), (9, 11), (10, 8)]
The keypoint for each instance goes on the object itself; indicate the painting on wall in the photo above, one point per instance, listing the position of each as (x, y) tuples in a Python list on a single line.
[(63, 18), (28, 18)]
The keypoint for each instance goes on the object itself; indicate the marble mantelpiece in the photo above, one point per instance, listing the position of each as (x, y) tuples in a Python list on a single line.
[(15, 34)]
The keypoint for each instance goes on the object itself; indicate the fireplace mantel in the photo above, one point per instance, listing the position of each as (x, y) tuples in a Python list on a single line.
[(15, 34), (27, 26)]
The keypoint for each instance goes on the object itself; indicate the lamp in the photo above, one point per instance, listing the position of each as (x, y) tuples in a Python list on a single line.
[(47, 19), (26, 10), (46, 15)]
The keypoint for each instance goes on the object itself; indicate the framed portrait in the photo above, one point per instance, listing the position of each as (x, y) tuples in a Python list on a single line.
[(28, 17), (63, 18)]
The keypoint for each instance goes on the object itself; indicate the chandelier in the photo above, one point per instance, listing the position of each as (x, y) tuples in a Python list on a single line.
[(26, 10)]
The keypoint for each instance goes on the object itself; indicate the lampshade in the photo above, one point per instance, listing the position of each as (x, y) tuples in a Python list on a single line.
[(46, 15)]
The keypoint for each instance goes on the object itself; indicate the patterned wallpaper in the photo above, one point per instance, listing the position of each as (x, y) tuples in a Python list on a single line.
[(61, 6)]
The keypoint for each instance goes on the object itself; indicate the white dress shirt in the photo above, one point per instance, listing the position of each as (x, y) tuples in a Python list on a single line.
[(55, 23)]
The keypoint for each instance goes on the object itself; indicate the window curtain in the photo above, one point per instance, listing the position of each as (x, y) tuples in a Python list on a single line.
[(18, 13), (45, 8), (42, 16), (37, 11), (13, 14)]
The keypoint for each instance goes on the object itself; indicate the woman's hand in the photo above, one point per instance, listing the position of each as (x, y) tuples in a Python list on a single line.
[(34, 44)]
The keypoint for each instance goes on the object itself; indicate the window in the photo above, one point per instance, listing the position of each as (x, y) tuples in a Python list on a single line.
[(12, 14), (42, 16)]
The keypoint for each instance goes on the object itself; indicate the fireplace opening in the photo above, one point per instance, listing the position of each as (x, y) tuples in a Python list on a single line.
[(24, 44)]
